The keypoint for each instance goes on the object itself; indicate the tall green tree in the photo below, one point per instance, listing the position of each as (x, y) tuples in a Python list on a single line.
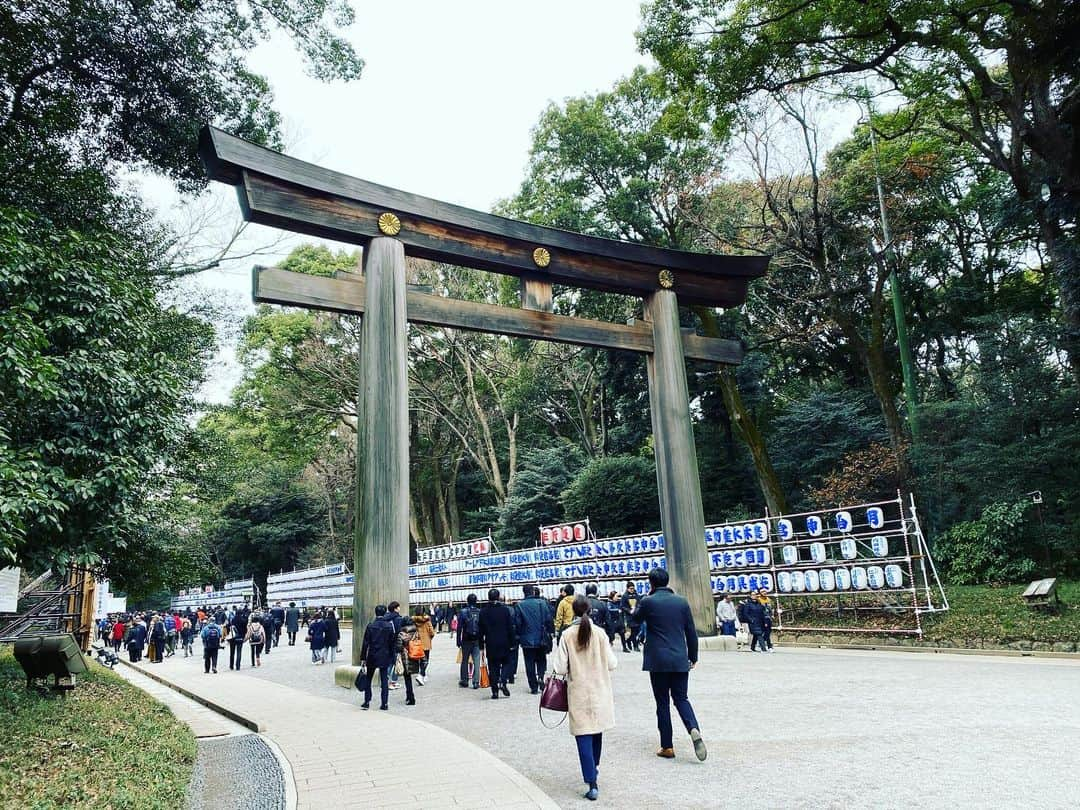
[(631, 164), (97, 382), (1002, 77)]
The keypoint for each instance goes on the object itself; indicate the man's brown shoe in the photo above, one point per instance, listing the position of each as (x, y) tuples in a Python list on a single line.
[(666, 753)]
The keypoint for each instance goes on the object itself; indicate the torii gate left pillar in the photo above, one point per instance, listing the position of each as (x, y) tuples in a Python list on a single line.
[(381, 551)]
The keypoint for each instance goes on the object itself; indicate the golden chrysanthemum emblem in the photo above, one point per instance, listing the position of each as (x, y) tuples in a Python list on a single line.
[(389, 224), (541, 257), (666, 279)]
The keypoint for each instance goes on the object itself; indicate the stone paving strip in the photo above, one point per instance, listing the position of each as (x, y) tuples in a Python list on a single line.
[(345, 757)]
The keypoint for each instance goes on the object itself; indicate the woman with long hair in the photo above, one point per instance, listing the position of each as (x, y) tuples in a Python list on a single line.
[(586, 658)]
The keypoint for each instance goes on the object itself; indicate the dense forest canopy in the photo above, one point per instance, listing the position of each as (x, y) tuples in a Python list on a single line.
[(733, 143)]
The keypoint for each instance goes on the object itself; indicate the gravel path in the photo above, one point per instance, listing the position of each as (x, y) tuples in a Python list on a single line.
[(236, 773)]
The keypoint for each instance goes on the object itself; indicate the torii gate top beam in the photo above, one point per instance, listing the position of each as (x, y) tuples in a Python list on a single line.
[(287, 193)]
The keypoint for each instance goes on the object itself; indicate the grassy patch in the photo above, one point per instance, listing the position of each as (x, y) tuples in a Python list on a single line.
[(978, 615), (998, 614), (106, 745)]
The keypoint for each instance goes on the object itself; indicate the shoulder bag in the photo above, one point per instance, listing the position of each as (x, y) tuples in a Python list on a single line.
[(554, 698)]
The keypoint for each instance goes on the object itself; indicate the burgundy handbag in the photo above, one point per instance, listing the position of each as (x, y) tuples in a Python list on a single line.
[(554, 699)]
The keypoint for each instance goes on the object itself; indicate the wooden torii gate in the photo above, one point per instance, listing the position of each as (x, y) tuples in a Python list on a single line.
[(277, 190)]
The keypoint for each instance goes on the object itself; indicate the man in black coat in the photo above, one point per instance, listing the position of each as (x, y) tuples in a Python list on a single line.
[(671, 651), (278, 613), (754, 616), (497, 636), (378, 652), (534, 622)]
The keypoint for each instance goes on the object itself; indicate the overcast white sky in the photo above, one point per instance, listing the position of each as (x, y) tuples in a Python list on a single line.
[(444, 107)]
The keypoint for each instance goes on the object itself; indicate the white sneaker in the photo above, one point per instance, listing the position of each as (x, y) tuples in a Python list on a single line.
[(395, 686), (420, 679)]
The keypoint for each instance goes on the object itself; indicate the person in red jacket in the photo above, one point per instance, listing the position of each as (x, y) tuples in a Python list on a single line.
[(118, 635)]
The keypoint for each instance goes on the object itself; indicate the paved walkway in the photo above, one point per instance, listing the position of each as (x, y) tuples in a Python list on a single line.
[(797, 729), (343, 757)]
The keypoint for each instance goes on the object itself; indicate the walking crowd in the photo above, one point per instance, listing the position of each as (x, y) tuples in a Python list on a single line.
[(579, 631), (238, 628)]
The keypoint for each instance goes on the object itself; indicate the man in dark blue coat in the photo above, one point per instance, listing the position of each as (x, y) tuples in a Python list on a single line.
[(378, 652), (671, 651), (497, 637), (535, 624)]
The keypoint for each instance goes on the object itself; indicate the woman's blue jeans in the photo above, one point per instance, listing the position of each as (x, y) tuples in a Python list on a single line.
[(588, 749)]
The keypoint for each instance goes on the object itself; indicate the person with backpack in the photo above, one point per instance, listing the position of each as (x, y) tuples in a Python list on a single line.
[(468, 641), (170, 634), (410, 651), (497, 638), (211, 643), (377, 655), (157, 639), (256, 635), (267, 621), (534, 623)]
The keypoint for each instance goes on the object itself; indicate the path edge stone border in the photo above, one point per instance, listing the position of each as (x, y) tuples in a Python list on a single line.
[(291, 796), (814, 645), (236, 717)]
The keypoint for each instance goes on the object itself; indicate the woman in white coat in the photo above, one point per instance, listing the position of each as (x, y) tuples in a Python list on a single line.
[(586, 658)]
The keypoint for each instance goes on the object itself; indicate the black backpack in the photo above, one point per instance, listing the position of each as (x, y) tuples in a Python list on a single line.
[(471, 617)]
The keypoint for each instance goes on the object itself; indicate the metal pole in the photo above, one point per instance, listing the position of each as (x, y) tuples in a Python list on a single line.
[(906, 362)]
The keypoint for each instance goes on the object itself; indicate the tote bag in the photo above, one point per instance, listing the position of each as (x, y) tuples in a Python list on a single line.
[(484, 682)]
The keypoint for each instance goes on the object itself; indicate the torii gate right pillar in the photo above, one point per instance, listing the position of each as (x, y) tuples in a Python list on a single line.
[(678, 483)]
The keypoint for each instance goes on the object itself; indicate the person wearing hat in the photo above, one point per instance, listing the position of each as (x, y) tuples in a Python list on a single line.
[(377, 654)]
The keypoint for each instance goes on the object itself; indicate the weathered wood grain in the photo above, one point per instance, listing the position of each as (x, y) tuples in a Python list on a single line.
[(348, 294), (678, 483), (381, 551), (536, 294)]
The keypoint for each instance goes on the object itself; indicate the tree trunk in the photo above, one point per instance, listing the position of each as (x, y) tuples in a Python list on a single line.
[(744, 424), (1065, 255), (747, 430)]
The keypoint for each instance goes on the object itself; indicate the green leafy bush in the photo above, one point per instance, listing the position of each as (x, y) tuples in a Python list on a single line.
[(617, 494), (990, 549)]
